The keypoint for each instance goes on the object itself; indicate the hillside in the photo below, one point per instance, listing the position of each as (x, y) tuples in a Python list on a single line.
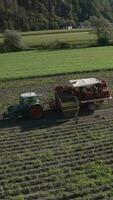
[(50, 14)]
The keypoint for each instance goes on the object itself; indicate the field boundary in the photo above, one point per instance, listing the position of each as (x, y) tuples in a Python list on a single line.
[(56, 74)]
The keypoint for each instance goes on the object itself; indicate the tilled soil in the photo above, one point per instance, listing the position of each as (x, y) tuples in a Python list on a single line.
[(55, 158)]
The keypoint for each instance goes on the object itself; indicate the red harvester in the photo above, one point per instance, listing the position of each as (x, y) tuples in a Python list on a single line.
[(88, 93)]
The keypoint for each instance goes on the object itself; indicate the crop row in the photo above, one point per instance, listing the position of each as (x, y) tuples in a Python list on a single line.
[(47, 163), (61, 130), (53, 140)]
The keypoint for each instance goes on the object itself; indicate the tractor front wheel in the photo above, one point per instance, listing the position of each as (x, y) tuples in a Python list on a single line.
[(36, 112)]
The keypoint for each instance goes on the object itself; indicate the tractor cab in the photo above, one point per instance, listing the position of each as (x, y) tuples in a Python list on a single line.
[(28, 107), (28, 99)]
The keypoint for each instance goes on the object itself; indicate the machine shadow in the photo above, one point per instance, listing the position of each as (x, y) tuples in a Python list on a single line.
[(49, 120)]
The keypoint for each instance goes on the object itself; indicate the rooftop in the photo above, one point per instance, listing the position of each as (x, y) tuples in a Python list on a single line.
[(84, 82), (28, 94)]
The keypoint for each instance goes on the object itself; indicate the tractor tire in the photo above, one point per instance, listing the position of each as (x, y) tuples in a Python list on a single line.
[(91, 107), (70, 109), (13, 118), (36, 112)]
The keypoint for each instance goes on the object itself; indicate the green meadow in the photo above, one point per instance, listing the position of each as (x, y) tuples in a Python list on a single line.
[(39, 63), (74, 36)]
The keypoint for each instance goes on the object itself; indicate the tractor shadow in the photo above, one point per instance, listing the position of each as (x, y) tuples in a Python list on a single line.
[(49, 120)]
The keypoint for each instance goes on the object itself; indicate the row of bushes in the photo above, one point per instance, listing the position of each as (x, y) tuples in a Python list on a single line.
[(7, 47), (66, 45), (12, 42), (53, 46)]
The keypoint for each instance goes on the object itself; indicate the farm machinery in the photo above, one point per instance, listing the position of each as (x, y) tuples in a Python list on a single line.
[(89, 93), (28, 107)]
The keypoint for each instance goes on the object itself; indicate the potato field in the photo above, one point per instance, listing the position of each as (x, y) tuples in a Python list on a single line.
[(55, 158)]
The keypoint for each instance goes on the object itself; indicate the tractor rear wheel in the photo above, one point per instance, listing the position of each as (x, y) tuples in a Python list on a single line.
[(36, 112)]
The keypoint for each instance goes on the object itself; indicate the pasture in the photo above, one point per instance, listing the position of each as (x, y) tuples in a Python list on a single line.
[(34, 39), (55, 158), (40, 63), (48, 38)]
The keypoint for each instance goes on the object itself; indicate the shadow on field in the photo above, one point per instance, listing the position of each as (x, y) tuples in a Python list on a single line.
[(48, 121)]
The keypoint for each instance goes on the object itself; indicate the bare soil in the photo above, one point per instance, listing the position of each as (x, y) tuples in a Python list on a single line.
[(44, 159)]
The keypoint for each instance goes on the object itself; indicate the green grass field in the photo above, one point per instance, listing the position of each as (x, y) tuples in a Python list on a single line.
[(26, 33), (37, 38), (36, 63), (46, 39)]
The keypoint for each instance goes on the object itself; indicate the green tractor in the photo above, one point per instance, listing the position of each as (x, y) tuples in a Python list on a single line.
[(29, 107)]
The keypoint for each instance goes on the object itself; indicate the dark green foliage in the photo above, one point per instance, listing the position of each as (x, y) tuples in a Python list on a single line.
[(59, 45), (103, 29), (51, 14), (12, 41)]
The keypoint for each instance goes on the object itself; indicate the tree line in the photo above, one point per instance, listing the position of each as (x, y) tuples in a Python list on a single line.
[(25, 15)]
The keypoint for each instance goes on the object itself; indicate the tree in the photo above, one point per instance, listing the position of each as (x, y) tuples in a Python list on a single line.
[(2, 5), (21, 20), (12, 41), (103, 30), (26, 14)]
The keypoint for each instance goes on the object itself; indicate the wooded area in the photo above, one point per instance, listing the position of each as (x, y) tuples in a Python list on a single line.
[(28, 15)]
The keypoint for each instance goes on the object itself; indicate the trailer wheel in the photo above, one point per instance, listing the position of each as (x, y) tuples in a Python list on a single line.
[(91, 107), (36, 112)]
